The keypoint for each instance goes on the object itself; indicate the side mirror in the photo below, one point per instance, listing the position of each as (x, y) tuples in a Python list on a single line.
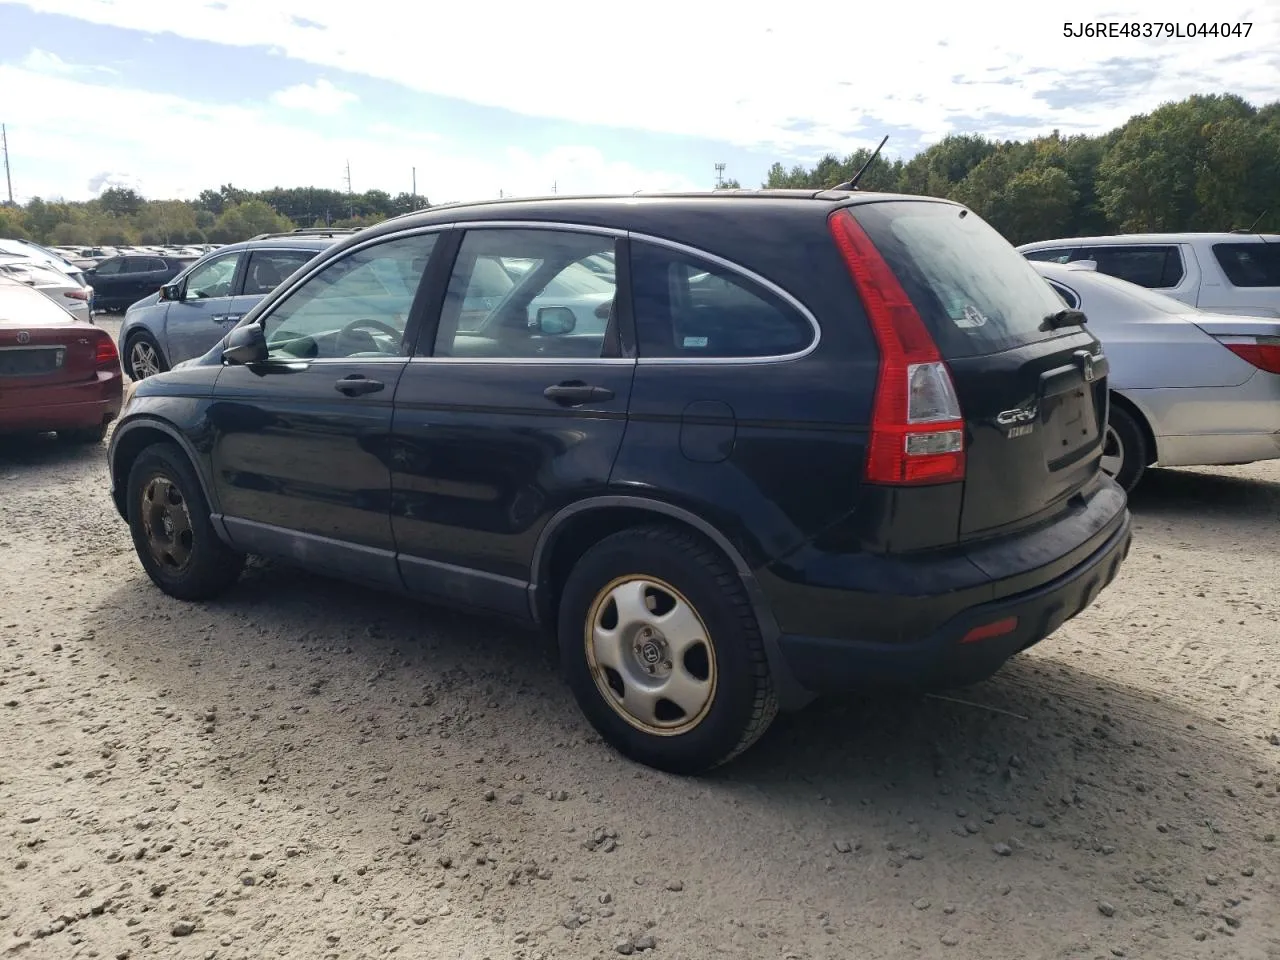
[(604, 309), (555, 321), (171, 291), (245, 346)]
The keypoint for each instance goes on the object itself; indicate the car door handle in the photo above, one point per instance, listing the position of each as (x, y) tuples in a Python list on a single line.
[(233, 317), (357, 385), (575, 393), (218, 317)]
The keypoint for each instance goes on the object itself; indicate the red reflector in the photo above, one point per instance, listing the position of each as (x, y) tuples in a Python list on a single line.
[(989, 630), (917, 431), (105, 354), (1264, 353)]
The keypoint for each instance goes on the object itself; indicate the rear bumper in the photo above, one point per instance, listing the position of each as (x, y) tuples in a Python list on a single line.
[(910, 632), (65, 407)]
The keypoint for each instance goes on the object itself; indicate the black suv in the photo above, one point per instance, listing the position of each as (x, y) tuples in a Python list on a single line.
[(734, 450)]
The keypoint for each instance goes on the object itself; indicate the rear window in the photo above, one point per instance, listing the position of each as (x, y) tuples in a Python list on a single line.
[(974, 291), (1154, 267), (1250, 264)]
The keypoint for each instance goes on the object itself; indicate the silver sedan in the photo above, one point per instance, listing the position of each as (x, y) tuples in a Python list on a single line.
[(61, 289), (1188, 388)]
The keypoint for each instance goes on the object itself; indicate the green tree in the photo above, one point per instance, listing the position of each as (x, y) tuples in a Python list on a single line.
[(120, 201), (241, 221), (11, 228), (71, 235)]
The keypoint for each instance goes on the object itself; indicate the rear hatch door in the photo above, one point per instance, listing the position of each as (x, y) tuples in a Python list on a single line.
[(1033, 395)]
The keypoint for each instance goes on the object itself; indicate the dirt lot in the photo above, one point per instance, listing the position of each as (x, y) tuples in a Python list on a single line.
[(308, 770)]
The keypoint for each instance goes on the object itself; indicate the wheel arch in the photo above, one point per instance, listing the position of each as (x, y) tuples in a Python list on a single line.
[(134, 436), (576, 528), (1144, 424)]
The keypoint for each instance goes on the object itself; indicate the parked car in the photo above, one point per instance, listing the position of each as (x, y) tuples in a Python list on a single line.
[(75, 299), (199, 306), (57, 372), (1188, 387), (1219, 272), (120, 281), (866, 455), (33, 251)]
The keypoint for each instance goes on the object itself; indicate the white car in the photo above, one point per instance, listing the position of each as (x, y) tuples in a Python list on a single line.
[(1188, 387), (1222, 272), (27, 250), (58, 287)]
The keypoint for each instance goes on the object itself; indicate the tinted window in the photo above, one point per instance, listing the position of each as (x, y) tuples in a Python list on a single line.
[(975, 292), (1069, 298), (134, 265), (686, 307), (108, 268), (1250, 264), (1152, 267), (213, 278), (269, 268), (1054, 255), (357, 306), (527, 293), (157, 265)]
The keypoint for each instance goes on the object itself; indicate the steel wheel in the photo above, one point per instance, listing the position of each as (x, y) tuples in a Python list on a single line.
[(166, 522), (144, 360), (1112, 452), (651, 655)]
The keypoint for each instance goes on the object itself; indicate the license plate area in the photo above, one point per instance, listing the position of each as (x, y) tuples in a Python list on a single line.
[(31, 361), (1068, 416)]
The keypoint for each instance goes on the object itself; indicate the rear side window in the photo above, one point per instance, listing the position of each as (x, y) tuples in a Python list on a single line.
[(1069, 298), (1154, 267), (1053, 255), (687, 307), (974, 291), (269, 268), (1249, 264)]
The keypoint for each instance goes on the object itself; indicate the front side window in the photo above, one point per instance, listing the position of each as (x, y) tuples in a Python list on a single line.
[(686, 307), (1249, 264), (357, 306), (212, 279), (531, 294), (270, 268), (109, 268), (1154, 267)]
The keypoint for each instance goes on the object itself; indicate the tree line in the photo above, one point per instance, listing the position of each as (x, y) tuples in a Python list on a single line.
[(1204, 163)]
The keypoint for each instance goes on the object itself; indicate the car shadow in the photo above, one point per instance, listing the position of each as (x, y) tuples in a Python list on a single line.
[(1216, 495), (46, 449)]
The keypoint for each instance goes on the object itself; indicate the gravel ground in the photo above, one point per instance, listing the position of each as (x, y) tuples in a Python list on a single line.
[(305, 769)]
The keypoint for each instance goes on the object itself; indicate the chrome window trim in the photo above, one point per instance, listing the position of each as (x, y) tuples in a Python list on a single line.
[(691, 251)]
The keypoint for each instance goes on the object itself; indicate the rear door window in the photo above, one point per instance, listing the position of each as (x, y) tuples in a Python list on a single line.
[(687, 307), (1155, 267), (974, 291), (270, 268), (1249, 264)]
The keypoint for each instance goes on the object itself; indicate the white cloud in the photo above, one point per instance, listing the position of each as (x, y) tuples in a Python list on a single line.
[(159, 143), (321, 97), (50, 64), (798, 84)]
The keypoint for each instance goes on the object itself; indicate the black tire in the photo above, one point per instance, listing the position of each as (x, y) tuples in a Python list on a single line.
[(199, 566), (1125, 440), (742, 703), (143, 340), (85, 435)]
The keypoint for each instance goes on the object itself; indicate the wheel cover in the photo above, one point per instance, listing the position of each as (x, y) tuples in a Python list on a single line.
[(144, 361), (1112, 452), (166, 524), (651, 655)]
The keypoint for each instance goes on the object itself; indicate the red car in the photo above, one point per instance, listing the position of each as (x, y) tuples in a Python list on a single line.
[(56, 372)]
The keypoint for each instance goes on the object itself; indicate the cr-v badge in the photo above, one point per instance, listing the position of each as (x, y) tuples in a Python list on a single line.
[(1019, 421)]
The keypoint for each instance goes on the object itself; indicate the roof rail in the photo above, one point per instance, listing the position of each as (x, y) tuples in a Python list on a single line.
[(309, 232)]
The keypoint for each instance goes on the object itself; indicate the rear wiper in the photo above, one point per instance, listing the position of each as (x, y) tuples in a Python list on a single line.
[(1064, 318)]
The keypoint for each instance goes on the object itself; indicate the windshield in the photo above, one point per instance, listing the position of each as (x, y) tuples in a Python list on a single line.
[(973, 290)]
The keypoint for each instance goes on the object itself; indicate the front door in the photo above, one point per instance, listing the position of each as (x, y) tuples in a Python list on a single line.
[(201, 317), (300, 441), (514, 407)]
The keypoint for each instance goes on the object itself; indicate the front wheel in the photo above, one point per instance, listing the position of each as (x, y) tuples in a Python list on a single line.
[(1124, 449), (172, 533), (662, 650)]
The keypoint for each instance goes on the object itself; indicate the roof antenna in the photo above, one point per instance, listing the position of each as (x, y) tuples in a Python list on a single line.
[(853, 184), (1258, 221)]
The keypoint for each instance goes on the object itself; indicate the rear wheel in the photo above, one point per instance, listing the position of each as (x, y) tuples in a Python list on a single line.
[(143, 357), (662, 650), (1124, 449), (172, 534)]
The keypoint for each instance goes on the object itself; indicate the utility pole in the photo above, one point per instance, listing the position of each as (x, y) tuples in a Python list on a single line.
[(351, 203), (719, 175), (413, 197), (8, 179), (555, 186)]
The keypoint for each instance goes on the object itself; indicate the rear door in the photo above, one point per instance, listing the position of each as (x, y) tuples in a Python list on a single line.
[(1034, 398)]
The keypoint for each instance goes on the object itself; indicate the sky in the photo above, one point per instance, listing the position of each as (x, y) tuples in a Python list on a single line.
[(518, 98)]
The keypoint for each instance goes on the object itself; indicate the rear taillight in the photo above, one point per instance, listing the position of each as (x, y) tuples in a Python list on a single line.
[(917, 429), (75, 294), (1262, 352), (105, 354)]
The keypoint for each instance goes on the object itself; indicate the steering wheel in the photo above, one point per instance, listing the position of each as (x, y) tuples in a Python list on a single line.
[(369, 322)]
